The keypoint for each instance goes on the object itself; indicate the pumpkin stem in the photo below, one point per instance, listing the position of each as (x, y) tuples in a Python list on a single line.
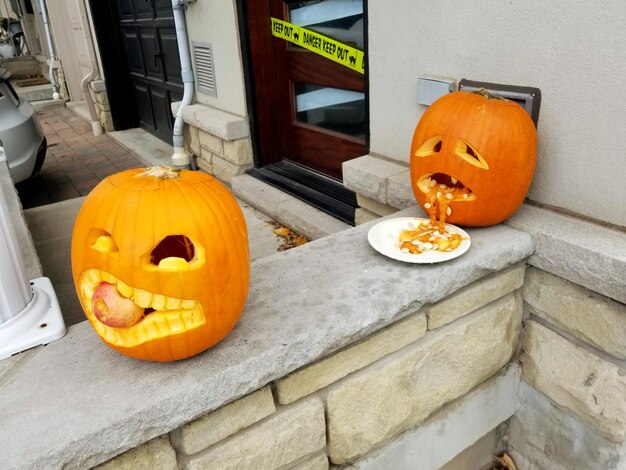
[(490, 96), (162, 172)]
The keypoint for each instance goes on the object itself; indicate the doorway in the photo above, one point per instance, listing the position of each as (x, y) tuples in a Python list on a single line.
[(141, 86), (310, 112)]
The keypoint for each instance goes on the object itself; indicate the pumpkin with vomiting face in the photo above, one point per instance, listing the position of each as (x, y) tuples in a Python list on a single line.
[(473, 157), (160, 262)]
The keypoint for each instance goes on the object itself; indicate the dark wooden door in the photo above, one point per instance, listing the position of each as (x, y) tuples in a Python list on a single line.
[(149, 36), (309, 109)]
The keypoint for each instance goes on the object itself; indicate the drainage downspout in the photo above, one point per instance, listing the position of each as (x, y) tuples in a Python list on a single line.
[(93, 71), (181, 157), (53, 58)]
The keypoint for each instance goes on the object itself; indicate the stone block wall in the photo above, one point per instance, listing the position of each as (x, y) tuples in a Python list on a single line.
[(63, 91), (219, 141), (98, 92), (441, 378), (573, 396), (573, 401)]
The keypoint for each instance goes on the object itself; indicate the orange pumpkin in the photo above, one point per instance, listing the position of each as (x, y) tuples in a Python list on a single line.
[(160, 262), (482, 149)]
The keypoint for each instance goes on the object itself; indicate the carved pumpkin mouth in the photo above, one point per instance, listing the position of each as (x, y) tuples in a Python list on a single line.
[(433, 183), (162, 316)]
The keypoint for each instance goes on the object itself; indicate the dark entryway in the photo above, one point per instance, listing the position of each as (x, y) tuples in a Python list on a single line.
[(310, 113), (139, 52)]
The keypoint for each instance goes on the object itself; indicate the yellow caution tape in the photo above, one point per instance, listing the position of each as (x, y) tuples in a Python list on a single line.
[(320, 44)]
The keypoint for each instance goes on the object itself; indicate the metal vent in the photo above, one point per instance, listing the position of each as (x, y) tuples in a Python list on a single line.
[(205, 70)]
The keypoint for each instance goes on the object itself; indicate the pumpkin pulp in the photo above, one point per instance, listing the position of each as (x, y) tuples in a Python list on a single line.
[(440, 190), (427, 237)]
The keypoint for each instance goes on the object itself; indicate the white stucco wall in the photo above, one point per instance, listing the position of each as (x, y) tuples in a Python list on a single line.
[(574, 51), (215, 22)]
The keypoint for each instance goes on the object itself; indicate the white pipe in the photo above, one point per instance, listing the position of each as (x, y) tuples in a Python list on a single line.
[(93, 70), (181, 157), (53, 58)]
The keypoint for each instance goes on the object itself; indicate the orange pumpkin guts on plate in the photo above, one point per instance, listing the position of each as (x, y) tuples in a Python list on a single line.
[(160, 262), (473, 157)]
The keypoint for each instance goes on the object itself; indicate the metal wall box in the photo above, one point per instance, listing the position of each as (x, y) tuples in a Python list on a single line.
[(430, 89), (528, 98)]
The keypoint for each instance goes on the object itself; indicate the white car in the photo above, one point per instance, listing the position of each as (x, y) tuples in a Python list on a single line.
[(20, 135)]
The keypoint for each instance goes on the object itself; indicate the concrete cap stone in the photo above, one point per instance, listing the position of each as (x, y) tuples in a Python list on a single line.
[(578, 250), (367, 175), (214, 121), (76, 403)]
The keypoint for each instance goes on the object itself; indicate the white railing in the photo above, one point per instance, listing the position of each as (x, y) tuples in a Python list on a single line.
[(29, 311)]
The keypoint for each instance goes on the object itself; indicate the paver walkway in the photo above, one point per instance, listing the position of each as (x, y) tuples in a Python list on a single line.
[(76, 160)]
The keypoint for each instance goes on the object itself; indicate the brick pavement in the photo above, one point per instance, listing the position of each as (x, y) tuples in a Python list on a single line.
[(75, 162)]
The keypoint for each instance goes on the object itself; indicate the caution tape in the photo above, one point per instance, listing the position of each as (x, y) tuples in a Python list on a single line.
[(320, 44)]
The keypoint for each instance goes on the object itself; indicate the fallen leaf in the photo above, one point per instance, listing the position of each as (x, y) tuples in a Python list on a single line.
[(504, 462), (292, 239), (282, 231)]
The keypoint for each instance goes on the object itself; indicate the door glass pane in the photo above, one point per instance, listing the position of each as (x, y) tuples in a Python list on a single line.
[(339, 19), (331, 108)]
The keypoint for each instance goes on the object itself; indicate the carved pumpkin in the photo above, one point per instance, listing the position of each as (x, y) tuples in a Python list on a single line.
[(473, 157), (160, 262)]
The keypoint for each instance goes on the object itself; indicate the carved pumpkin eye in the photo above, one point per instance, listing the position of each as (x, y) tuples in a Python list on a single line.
[(176, 253), (102, 241), (468, 153), (431, 147)]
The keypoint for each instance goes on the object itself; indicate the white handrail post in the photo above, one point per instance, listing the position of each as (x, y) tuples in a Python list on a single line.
[(29, 311)]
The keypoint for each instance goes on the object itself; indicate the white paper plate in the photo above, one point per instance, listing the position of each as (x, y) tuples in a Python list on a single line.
[(384, 238)]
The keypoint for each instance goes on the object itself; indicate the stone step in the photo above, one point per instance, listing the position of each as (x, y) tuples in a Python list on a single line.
[(33, 93)]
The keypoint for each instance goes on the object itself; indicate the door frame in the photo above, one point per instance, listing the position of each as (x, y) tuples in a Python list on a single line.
[(315, 189), (120, 82), (263, 109), (116, 72)]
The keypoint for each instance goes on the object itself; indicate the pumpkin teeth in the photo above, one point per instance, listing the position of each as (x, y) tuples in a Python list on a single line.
[(142, 298), (172, 303), (92, 277), (167, 315)]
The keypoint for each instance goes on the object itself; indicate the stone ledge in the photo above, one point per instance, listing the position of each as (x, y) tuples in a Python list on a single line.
[(399, 190), (82, 403), (368, 175), (577, 250), (224, 125)]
